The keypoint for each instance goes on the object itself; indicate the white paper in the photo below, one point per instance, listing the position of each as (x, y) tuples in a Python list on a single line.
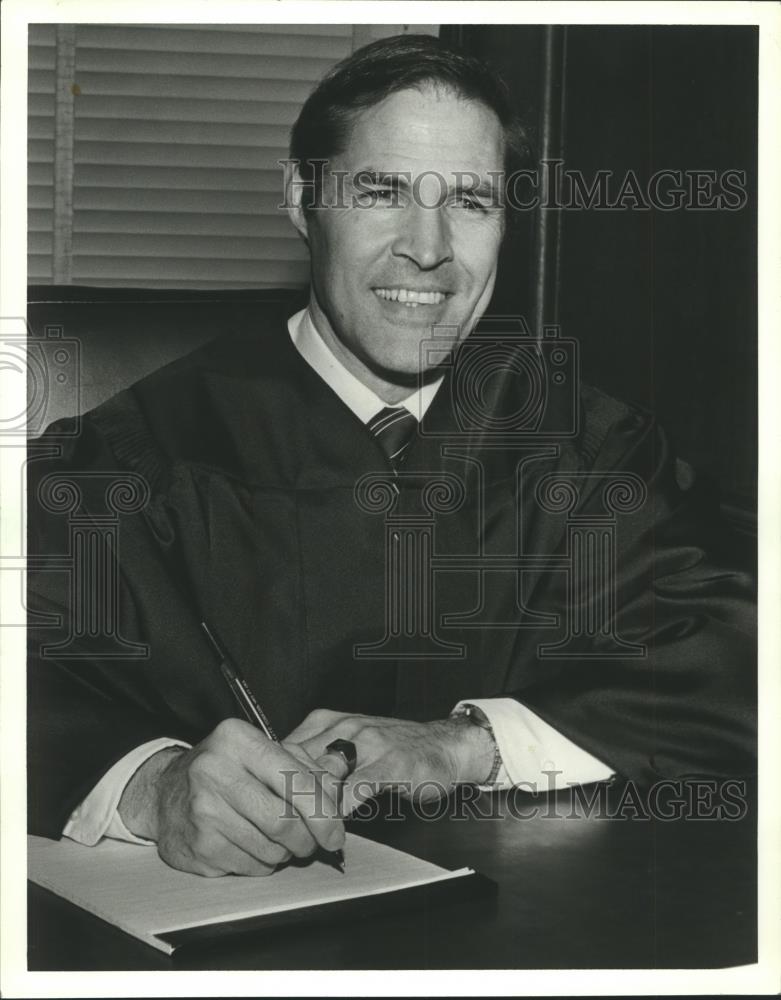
[(129, 886)]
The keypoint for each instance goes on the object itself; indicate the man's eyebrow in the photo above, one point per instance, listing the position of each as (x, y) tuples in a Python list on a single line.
[(388, 178), (485, 189), (481, 187), (463, 181)]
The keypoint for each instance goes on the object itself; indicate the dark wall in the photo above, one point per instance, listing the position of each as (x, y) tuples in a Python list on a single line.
[(663, 302), (517, 53)]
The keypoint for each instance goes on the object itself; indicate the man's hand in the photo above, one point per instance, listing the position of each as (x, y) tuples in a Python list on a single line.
[(421, 759), (236, 802)]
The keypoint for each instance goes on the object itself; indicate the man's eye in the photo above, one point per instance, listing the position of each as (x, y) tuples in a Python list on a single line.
[(384, 197), (470, 203)]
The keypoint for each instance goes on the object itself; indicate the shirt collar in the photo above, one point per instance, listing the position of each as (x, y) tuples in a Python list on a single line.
[(363, 401)]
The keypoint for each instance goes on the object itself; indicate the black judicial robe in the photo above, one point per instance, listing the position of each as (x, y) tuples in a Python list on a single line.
[(253, 523)]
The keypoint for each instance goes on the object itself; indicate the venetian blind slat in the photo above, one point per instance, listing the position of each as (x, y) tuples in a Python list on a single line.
[(234, 42), (202, 64), (163, 85), (180, 133), (193, 223), (206, 273), (184, 109), (40, 197), (255, 158), (166, 203), (184, 247), (132, 178)]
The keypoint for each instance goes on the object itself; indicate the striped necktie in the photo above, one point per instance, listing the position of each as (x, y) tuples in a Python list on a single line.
[(393, 429)]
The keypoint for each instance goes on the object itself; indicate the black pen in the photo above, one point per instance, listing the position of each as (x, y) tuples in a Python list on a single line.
[(248, 703)]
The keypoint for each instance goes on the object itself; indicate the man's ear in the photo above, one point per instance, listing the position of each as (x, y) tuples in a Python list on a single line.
[(297, 192)]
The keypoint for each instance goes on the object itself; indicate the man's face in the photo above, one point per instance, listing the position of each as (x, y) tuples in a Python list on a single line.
[(409, 245)]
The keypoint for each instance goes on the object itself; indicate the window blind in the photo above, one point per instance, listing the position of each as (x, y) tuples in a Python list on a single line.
[(40, 152), (177, 133), (178, 130)]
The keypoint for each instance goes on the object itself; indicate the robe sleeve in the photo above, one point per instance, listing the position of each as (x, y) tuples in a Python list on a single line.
[(687, 705), (87, 707)]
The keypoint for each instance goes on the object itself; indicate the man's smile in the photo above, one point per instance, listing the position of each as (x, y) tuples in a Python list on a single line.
[(412, 297)]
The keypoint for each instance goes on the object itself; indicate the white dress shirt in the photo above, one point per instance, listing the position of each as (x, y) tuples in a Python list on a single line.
[(532, 751)]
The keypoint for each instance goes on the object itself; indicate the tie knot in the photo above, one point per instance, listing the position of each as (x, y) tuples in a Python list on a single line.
[(393, 428)]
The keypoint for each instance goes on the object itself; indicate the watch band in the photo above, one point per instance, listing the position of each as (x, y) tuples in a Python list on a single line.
[(478, 718)]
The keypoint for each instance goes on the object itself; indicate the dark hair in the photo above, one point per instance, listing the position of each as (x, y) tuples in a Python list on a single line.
[(386, 67)]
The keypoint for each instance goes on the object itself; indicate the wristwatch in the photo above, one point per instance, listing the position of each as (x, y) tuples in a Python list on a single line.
[(478, 718)]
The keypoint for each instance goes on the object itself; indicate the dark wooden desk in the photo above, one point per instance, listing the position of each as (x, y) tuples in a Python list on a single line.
[(575, 891)]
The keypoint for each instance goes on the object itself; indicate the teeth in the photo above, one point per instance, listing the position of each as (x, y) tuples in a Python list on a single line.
[(410, 297)]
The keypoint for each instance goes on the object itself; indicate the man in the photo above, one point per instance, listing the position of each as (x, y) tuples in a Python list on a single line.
[(260, 455)]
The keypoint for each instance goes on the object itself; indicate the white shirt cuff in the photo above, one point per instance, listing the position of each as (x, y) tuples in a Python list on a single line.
[(534, 752), (97, 815)]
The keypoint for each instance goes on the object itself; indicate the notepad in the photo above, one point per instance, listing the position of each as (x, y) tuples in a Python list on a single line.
[(129, 886)]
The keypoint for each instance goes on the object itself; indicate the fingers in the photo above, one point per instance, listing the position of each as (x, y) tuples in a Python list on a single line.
[(241, 803), (340, 757), (348, 728), (261, 854), (337, 762), (379, 763), (301, 798), (314, 723), (275, 819), (232, 860), (372, 739), (411, 757), (363, 786), (212, 854), (330, 770), (334, 763), (220, 841)]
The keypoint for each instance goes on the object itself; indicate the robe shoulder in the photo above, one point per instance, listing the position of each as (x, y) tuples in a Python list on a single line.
[(196, 410), (192, 410)]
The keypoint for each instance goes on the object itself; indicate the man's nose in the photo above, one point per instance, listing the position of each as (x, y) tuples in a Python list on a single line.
[(423, 236)]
